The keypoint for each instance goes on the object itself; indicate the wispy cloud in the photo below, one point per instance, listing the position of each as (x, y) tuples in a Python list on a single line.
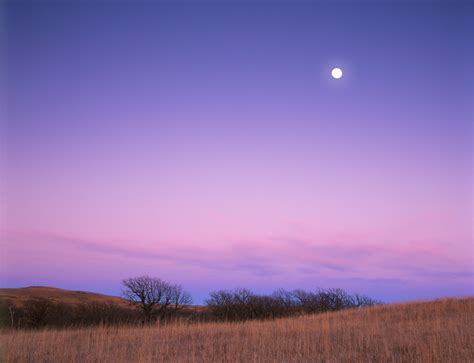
[(274, 259)]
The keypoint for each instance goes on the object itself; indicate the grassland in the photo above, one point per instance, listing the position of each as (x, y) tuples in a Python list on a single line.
[(435, 331), (19, 295)]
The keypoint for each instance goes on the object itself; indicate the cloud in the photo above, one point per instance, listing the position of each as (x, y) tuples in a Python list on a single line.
[(274, 259)]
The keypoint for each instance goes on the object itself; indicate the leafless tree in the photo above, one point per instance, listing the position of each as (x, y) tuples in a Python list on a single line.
[(221, 304), (242, 304), (308, 301), (361, 301), (11, 312), (155, 297), (178, 298)]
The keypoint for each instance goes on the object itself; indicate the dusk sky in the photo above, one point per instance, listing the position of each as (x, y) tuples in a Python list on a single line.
[(207, 143)]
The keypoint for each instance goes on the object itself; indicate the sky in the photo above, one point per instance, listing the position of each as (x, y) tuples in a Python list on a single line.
[(206, 143)]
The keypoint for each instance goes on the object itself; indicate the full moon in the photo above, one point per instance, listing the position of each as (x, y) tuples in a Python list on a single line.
[(336, 73)]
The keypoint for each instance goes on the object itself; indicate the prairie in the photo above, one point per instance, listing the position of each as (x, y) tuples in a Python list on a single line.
[(20, 295), (430, 331)]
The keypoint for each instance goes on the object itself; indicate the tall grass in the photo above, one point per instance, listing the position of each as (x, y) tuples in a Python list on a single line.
[(437, 331)]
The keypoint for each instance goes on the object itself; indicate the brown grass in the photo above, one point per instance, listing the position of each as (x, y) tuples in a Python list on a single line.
[(19, 295), (436, 331)]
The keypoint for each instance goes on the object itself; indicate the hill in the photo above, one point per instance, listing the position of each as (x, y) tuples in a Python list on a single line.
[(434, 331), (19, 295)]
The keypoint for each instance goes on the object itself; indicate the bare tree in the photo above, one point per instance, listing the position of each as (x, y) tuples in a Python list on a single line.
[(242, 304), (179, 298), (11, 312), (221, 304), (155, 297), (308, 302), (361, 301)]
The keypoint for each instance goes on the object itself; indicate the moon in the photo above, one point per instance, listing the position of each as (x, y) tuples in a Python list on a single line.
[(336, 73)]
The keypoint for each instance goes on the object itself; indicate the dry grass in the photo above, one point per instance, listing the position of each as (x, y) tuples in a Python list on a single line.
[(19, 295), (437, 331)]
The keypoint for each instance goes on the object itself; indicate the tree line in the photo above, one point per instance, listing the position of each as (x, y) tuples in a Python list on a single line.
[(155, 300), (243, 304)]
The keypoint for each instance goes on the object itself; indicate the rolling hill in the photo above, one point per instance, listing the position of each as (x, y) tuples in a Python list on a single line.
[(19, 295)]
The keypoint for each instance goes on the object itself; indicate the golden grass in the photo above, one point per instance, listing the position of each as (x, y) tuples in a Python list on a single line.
[(436, 331), (20, 295)]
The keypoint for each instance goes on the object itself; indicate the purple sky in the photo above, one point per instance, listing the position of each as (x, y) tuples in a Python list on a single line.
[(207, 144)]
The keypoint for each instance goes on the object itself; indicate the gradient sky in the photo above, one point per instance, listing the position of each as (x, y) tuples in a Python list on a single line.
[(207, 144)]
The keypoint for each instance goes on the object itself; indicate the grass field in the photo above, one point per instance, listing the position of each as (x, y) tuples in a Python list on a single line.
[(435, 331), (19, 295)]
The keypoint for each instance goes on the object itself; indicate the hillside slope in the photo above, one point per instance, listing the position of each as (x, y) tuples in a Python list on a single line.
[(436, 331), (19, 295)]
